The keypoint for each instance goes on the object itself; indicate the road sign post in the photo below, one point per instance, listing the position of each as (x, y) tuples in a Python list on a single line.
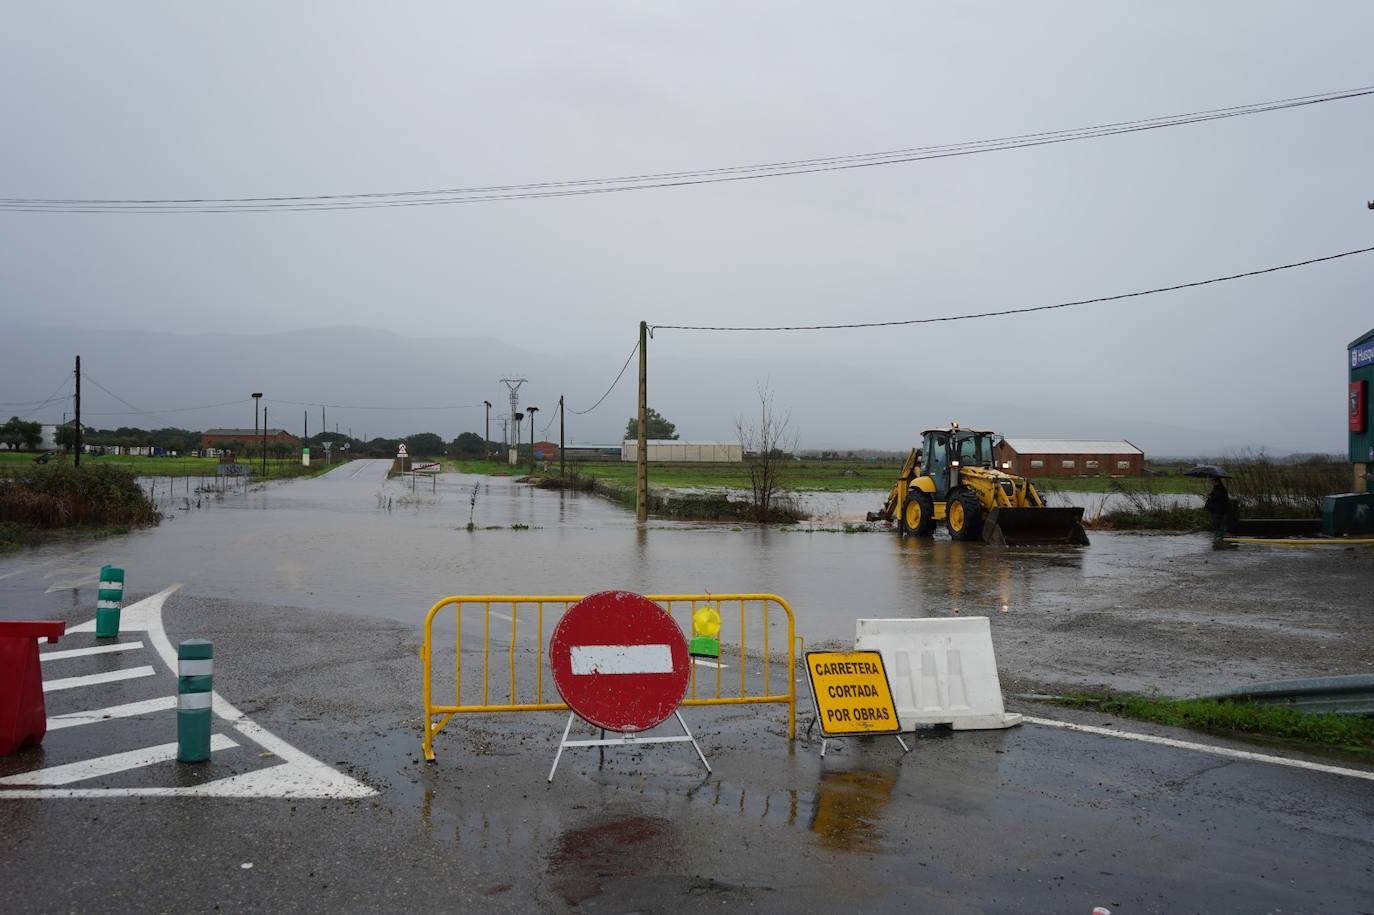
[(622, 665)]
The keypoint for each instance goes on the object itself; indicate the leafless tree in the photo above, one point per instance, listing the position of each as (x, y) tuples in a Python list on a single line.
[(768, 443)]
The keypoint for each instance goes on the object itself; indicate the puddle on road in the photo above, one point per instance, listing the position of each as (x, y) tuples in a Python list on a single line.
[(355, 542), (849, 807), (609, 848)]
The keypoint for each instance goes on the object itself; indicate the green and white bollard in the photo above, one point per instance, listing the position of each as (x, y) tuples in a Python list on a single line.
[(108, 600), (195, 667)]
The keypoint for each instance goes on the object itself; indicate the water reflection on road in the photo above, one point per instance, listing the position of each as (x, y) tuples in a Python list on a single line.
[(353, 541)]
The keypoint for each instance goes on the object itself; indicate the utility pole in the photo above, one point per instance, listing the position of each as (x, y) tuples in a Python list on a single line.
[(531, 411), (562, 414), (77, 459), (257, 398), (305, 431), (486, 441), (642, 452), (513, 383), (264, 443)]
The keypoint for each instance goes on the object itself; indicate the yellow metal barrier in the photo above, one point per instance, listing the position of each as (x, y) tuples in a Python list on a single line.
[(509, 609)]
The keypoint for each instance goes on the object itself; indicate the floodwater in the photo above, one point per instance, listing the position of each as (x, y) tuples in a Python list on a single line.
[(829, 508), (355, 542)]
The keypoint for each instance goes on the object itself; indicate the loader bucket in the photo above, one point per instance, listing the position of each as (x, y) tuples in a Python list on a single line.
[(1031, 526)]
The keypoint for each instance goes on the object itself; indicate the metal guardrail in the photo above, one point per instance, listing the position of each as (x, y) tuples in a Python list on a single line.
[(508, 608), (1352, 694)]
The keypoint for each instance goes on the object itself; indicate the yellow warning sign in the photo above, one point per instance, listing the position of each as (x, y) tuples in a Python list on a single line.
[(851, 692)]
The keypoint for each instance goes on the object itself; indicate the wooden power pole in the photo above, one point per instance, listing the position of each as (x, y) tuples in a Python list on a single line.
[(642, 452), (562, 466), (77, 459)]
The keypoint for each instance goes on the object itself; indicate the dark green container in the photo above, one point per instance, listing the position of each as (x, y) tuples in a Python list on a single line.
[(1348, 513)]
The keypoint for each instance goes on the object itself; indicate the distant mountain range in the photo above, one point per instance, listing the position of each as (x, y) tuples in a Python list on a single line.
[(376, 382)]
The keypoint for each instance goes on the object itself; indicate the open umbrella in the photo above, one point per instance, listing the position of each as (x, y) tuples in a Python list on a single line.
[(1207, 470)]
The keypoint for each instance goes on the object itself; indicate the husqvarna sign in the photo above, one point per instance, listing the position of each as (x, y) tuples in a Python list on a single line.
[(1360, 356)]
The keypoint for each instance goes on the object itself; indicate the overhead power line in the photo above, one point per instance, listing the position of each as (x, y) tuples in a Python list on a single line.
[(339, 406), (655, 180), (611, 388), (1020, 311), (29, 406), (207, 406)]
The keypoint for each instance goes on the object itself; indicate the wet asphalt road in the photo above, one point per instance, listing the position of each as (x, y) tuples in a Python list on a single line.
[(1030, 819)]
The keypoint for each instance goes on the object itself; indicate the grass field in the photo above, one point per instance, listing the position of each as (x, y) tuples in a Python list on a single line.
[(169, 466), (1351, 733), (803, 476)]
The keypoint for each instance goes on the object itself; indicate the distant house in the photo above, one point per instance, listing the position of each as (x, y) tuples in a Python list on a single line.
[(591, 452), (215, 438), (545, 451), (672, 451), (1047, 457)]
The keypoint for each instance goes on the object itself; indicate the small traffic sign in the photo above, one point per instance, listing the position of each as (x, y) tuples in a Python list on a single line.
[(619, 661), (852, 693), (401, 452)]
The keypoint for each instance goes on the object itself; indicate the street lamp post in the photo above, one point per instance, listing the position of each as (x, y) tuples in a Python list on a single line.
[(531, 411), (257, 397), (486, 438)]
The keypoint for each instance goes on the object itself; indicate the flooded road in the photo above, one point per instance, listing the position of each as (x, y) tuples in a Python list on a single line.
[(354, 542), (313, 592)]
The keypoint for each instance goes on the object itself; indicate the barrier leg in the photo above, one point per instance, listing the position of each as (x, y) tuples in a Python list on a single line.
[(195, 669), (695, 746), (567, 729)]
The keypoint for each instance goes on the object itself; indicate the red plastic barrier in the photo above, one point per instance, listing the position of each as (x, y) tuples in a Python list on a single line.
[(23, 718)]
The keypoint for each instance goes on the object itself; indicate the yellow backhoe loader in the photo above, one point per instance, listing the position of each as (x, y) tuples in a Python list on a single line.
[(952, 478)]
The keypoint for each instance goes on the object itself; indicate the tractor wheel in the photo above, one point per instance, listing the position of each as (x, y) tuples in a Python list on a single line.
[(918, 515), (964, 516)]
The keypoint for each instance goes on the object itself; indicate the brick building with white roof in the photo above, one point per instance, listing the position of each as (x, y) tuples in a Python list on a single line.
[(1047, 457)]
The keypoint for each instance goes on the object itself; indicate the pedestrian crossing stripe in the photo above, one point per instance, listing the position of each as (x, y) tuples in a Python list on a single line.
[(297, 775)]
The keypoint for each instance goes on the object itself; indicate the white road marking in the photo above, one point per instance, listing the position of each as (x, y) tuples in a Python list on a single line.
[(111, 676), (70, 585), (622, 659), (306, 777), (107, 765), (82, 652), (714, 665), (299, 775), (1204, 748), (129, 710), (283, 781)]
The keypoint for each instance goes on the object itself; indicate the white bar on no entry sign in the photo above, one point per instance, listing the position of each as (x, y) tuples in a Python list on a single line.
[(622, 659)]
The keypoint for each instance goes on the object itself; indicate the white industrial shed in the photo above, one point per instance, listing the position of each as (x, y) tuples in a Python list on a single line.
[(670, 451)]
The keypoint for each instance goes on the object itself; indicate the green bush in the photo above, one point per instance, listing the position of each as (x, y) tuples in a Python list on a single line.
[(59, 495)]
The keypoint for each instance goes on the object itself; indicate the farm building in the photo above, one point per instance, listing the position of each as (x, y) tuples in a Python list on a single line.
[(1046, 457), (214, 438), (669, 451), (546, 451), (592, 452)]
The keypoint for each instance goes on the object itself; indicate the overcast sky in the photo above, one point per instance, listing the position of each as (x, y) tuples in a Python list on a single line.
[(252, 99)]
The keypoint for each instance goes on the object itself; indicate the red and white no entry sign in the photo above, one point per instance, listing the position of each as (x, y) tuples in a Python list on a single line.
[(619, 661)]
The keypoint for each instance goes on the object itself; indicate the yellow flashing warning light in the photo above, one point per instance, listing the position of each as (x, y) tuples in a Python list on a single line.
[(705, 628)]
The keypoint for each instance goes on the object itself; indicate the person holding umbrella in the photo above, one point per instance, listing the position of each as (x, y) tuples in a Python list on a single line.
[(1218, 504)]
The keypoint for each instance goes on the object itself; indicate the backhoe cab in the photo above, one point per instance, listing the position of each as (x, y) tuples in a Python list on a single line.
[(951, 477)]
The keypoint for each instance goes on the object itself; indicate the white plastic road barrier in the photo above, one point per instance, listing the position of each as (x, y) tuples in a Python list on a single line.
[(942, 671)]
